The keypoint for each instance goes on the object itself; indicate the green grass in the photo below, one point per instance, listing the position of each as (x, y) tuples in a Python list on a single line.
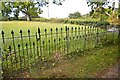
[(89, 64), (7, 27)]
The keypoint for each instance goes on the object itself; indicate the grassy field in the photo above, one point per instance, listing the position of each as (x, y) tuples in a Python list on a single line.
[(7, 27)]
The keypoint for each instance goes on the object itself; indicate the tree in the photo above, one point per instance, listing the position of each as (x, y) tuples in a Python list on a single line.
[(74, 15), (27, 8), (111, 12), (6, 9), (98, 7), (30, 9)]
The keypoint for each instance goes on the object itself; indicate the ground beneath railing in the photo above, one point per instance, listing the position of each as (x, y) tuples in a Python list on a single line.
[(96, 63)]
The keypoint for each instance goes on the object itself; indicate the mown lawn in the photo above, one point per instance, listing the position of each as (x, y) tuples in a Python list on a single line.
[(8, 26)]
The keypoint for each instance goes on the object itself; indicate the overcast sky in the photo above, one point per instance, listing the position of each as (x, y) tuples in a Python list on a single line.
[(62, 11), (68, 6)]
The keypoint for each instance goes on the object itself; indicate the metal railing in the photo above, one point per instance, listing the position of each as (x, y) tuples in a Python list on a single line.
[(21, 52)]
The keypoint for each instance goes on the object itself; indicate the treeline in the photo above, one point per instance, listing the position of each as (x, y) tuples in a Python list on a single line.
[(80, 21)]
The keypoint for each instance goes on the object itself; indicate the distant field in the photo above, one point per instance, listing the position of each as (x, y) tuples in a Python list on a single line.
[(7, 27)]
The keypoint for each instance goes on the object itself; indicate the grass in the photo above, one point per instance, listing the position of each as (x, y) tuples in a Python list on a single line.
[(87, 65), (7, 27)]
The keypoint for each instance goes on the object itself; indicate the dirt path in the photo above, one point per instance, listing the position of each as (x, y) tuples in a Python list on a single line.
[(111, 72)]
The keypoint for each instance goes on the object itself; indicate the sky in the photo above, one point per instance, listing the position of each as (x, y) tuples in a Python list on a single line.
[(68, 6)]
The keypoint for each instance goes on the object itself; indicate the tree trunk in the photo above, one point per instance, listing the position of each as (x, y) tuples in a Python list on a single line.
[(28, 18)]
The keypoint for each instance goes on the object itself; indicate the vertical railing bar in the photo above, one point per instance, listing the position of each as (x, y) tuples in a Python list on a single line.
[(14, 47), (85, 38), (49, 49), (43, 50), (20, 63), (64, 45), (3, 37), (39, 33), (46, 47), (27, 54), (56, 39), (37, 46), (67, 39), (51, 40), (6, 56), (60, 45), (75, 37), (13, 40), (10, 56), (22, 46), (55, 44), (78, 37), (62, 41), (29, 46), (72, 37), (34, 55)]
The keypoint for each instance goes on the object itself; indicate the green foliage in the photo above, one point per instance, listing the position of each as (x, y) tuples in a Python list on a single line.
[(74, 15), (28, 8), (93, 4), (6, 9)]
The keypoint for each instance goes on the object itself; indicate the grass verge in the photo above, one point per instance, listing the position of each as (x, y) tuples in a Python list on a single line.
[(86, 65)]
